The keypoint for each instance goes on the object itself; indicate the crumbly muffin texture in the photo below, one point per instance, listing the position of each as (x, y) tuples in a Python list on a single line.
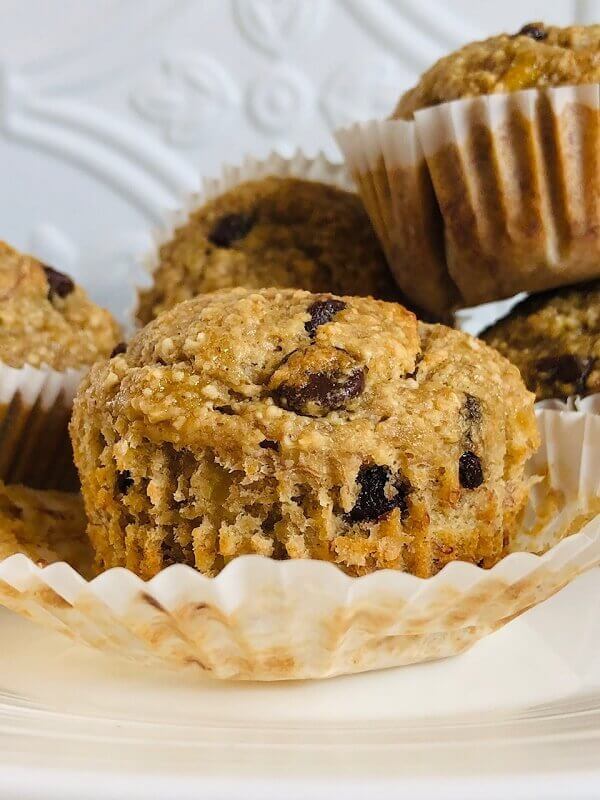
[(45, 526), (282, 232), (297, 425), (46, 320), (554, 339), (538, 55)]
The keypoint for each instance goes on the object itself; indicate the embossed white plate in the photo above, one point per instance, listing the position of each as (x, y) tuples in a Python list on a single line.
[(517, 715)]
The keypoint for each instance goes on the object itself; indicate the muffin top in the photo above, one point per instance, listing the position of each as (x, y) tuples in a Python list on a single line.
[(554, 339), (46, 320), (272, 232), (536, 56), (299, 425)]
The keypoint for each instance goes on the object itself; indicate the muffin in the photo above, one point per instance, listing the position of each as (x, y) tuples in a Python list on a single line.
[(508, 132), (536, 56), (50, 332), (554, 340), (45, 526), (276, 231), (299, 425)]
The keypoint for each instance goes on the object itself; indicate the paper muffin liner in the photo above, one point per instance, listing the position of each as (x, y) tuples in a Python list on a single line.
[(261, 619), (517, 177), (35, 409), (516, 184), (318, 168), (389, 168)]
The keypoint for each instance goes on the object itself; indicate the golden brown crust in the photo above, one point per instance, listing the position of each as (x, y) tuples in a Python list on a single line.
[(46, 320), (547, 56), (289, 233), (297, 425)]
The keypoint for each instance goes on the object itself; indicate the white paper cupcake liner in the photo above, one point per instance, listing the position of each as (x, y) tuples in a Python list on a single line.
[(35, 408), (517, 181), (318, 168), (272, 620), (388, 166)]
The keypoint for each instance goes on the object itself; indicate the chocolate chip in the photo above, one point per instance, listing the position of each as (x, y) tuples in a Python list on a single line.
[(118, 349), (535, 30), (321, 312), (58, 283), (230, 229), (322, 392), (379, 494), (268, 444), (124, 481), (317, 380), (566, 368), (470, 473)]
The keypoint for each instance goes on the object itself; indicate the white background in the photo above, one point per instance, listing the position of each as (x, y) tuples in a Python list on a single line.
[(111, 109)]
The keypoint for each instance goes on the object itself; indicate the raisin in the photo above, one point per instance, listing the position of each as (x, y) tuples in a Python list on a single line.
[(535, 30), (230, 228), (321, 312), (59, 284), (226, 409), (322, 392), (317, 380), (118, 349), (124, 481), (379, 494), (566, 368), (268, 444), (470, 473)]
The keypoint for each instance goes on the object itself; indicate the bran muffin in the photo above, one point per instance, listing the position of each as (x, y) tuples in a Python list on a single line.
[(496, 150), (275, 231), (554, 340), (538, 55), (50, 332), (46, 320), (299, 425)]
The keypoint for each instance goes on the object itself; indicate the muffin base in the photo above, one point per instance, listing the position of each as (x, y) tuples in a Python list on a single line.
[(275, 620)]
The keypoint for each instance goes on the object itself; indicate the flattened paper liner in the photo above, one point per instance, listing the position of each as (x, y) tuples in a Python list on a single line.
[(389, 168), (517, 178), (35, 408), (319, 168), (272, 620)]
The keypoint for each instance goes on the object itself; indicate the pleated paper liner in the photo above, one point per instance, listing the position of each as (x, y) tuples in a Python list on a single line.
[(516, 178), (389, 168), (272, 620), (35, 408), (319, 169)]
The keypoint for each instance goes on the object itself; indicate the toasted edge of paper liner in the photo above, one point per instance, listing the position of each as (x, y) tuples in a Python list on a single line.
[(35, 409), (515, 180), (261, 619), (299, 165)]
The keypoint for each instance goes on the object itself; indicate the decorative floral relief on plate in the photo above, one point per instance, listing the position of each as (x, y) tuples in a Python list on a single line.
[(278, 25), (280, 98), (192, 95)]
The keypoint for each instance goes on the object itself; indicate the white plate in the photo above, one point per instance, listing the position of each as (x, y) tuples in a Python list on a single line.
[(517, 715)]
